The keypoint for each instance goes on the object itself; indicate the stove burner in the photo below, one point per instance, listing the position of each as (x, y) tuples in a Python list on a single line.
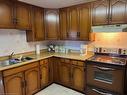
[(109, 59)]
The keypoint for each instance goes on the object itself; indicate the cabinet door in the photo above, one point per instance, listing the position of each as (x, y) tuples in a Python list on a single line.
[(14, 84), (63, 24), (32, 81), (65, 74), (23, 16), (73, 23), (51, 23), (118, 11), (56, 70), (44, 68), (78, 78), (39, 24), (6, 14), (100, 12), (84, 22)]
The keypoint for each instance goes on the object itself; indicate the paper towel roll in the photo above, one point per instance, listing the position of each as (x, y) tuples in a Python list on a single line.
[(38, 49)]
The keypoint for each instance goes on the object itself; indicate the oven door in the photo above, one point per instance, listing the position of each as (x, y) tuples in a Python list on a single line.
[(104, 77)]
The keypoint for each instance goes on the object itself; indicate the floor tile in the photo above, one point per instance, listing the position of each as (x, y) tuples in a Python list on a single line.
[(56, 89)]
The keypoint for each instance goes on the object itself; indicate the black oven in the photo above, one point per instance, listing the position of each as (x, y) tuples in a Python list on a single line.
[(105, 76)]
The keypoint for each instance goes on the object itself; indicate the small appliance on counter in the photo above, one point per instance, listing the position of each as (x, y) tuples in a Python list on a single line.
[(51, 48), (83, 49), (37, 48)]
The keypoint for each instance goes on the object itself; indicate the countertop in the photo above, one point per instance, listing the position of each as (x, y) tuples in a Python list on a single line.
[(44, 55)]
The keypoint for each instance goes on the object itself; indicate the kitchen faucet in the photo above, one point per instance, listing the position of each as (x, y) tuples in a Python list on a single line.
[(11, 55)]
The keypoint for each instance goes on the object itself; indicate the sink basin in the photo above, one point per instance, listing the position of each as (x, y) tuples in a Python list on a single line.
[(14, 61)]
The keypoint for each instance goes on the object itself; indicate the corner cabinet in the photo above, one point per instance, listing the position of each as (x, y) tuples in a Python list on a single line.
[(70, 73), (52, 24), (109, 12)]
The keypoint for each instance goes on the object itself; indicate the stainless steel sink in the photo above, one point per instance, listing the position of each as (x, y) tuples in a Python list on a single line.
[(14, 61)]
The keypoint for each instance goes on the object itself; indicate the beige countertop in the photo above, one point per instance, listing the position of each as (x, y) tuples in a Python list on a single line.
[(45, 55)]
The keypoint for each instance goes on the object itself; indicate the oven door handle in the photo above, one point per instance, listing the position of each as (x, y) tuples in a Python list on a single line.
[(101, 93), (104, 68)]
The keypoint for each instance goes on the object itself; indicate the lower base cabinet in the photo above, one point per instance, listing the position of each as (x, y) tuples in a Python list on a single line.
[(14, 84), (32, 78), (22, 80), (78, 78), (29, 79), (44, 72), (70, 73)]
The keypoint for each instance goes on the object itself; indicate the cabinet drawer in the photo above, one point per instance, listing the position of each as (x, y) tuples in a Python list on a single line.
[(65, 60), (79, 63), (19, 69), (44, 61)]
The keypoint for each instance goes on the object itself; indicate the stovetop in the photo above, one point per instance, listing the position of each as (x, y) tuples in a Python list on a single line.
[(108, 59)]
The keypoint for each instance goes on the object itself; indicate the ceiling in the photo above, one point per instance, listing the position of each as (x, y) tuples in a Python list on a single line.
[(55, 3)]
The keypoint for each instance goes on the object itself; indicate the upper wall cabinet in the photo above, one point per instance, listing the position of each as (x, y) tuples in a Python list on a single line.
[(118, 11), (6, 14), (84, 12), (52, 24), (63, 24), (37, 32), (14, 14), (23, 16), (75, 22), (109, 12)]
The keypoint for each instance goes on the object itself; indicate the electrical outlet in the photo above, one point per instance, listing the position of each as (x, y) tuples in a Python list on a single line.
[(104, 50), (123, 51), (114, 51)]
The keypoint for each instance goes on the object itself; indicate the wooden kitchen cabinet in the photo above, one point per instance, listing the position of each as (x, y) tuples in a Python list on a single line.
[(44, 71), (78, 78), (109, 12), (63, 24), (52, 24), (6, 14), (14, 84), (37, 33), (73, 23), (65, 72), (84, 13), (23, 16), (118, 12), (32, 77), (23, 80), (100, 12), (15, 15)]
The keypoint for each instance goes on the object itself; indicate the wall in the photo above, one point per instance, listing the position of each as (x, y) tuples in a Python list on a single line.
[(12, 40)]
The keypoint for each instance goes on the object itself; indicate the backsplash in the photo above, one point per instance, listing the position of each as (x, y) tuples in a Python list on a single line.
[(12, 40), (111, 40)]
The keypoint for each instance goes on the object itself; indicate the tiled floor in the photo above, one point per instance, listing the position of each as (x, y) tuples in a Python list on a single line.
[(55, 89)]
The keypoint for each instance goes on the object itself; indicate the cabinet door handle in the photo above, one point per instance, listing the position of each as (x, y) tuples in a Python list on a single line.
[(104, 68), (101, 93), (78, 34)]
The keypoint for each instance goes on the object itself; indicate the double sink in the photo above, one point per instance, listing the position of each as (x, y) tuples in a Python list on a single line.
[(14, 61)]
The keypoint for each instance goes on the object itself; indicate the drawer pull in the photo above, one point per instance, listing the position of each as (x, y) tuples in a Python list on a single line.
[(101, 93)]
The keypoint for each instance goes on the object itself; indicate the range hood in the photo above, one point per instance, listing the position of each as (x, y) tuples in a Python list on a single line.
[(110, 28)]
